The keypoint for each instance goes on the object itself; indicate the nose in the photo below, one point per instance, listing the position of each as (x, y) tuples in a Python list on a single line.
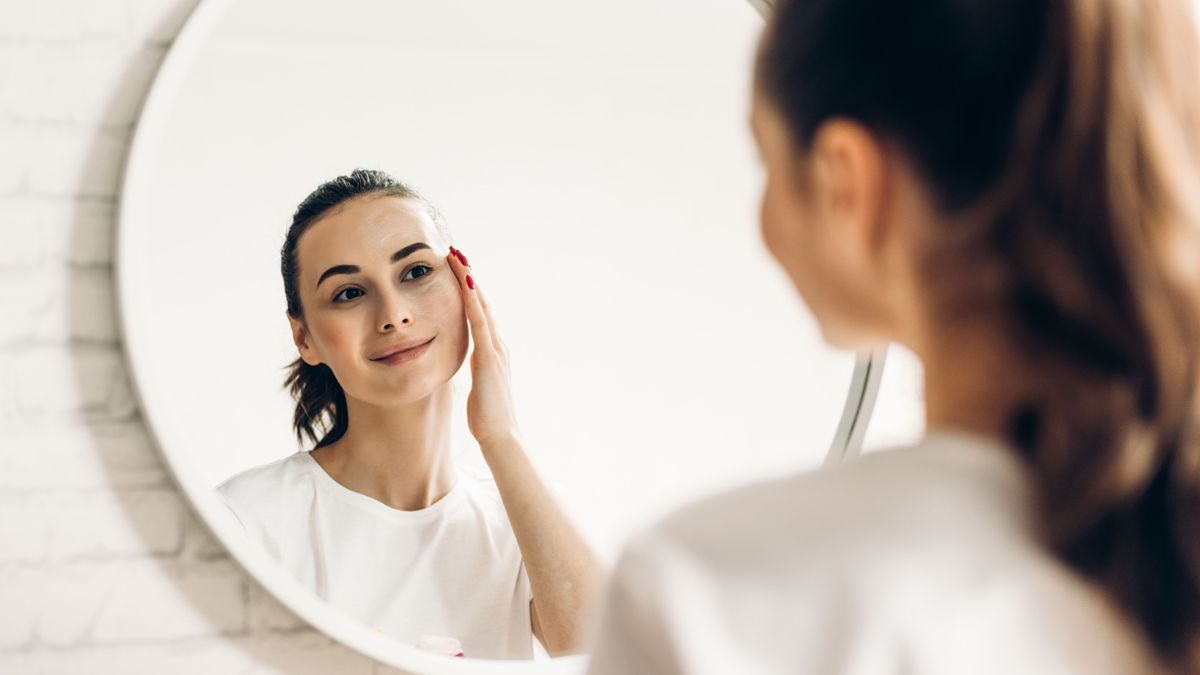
[(393, 312)]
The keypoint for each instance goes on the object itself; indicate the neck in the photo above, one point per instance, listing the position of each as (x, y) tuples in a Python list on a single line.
[(397, 455), (974, 377)]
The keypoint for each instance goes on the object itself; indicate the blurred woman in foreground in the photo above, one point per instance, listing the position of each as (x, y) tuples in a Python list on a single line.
[(1009, 189)]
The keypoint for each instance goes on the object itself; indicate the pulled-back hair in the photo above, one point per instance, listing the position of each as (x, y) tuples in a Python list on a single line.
[(321, 413), (1062, 139)]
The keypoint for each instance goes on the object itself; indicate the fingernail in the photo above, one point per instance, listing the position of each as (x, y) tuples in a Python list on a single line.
[(462, 258), (470, 282)]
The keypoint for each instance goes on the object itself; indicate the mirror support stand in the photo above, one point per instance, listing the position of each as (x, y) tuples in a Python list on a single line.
[(763, 6), (860, 402)]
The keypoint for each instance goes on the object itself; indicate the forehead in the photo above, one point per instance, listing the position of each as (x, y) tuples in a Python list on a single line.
[(364, 231), (768, 127)]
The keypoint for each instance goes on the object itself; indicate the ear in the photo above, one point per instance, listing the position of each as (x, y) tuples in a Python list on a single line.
[(302, 340), (849, 177)]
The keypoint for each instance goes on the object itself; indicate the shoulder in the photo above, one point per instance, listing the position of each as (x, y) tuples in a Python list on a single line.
[(254, 493), (269, 475), (944, 497), (930, 546), (479, 490)]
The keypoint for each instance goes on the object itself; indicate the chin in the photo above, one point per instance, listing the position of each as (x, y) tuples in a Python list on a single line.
[(415, 386), (853, 340), (837, 341), (842, 337)]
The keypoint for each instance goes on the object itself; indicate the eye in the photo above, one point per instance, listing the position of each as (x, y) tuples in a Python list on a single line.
[(345, 290), (427, 269)]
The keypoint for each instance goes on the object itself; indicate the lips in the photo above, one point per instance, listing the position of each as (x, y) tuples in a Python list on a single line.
[(398, 347)]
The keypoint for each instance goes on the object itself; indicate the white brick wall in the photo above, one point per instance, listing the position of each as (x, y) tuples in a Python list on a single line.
[(103, 567)]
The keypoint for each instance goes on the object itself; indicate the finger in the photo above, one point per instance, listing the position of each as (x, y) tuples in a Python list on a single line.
[(493, 330), (498, 343), (476, 319)]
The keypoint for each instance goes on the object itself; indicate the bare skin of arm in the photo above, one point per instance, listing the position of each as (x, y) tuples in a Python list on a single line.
[(563, 569)]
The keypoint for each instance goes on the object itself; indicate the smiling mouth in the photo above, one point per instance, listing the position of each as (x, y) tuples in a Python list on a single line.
[(405, 355)]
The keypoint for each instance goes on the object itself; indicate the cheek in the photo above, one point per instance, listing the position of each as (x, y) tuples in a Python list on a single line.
[(447, 305), (776, 222), (336, 336), (792, 236), (455, 329)]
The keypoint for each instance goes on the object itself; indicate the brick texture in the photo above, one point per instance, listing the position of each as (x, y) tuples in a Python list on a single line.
[(103, 566)]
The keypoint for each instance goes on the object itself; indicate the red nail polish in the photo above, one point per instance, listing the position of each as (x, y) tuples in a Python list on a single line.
[(462, 258), (470, 282)]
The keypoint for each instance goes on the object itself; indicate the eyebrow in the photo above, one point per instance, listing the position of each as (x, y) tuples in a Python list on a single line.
[(354, 269)]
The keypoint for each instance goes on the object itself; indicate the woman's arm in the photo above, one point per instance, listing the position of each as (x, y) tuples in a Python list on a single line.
[(562, 568)]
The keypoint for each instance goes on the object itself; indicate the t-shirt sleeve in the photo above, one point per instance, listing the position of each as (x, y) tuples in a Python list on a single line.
[(223, 497), (243, 497)]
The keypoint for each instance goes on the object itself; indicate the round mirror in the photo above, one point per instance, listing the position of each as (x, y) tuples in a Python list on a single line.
[(592, 159)]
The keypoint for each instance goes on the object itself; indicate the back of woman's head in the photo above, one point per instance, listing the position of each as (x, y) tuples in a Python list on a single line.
[(321, 413), (1062, 142)]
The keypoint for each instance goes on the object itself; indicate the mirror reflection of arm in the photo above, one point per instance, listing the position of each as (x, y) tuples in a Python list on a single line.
[(563, 569)]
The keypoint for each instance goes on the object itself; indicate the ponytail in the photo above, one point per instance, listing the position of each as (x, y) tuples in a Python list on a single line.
[(320, 403), (1102, 242)]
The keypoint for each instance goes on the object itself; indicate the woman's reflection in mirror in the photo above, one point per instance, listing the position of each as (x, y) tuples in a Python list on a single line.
[(379, 518)]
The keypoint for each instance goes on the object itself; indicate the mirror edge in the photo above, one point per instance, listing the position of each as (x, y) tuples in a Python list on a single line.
[(860, 405)]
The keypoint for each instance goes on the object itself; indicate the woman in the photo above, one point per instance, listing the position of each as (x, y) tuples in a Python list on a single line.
[(1009, 189), (377, 519)]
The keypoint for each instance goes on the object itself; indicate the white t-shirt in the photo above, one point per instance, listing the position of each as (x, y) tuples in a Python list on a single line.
[(917, 559), (452, 569)]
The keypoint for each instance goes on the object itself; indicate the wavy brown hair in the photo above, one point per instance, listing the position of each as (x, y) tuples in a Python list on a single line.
[(1062, 140), (321, 415)]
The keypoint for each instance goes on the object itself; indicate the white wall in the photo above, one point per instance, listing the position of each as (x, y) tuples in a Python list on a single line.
[(103, 569)]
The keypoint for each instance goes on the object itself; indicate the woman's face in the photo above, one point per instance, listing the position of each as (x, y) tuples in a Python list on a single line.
[(789, 224), (816, 216), (373, 273)]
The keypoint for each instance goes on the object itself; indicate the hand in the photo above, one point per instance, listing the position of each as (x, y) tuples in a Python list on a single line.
[(490, 414)]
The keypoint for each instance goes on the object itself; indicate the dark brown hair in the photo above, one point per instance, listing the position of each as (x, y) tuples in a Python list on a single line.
[(1062, 140), (320, 399)]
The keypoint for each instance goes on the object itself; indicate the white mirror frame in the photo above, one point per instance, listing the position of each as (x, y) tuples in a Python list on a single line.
[(847, 441)]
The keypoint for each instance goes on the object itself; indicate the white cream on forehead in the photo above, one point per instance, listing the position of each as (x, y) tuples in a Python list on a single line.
[(379, 228)]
